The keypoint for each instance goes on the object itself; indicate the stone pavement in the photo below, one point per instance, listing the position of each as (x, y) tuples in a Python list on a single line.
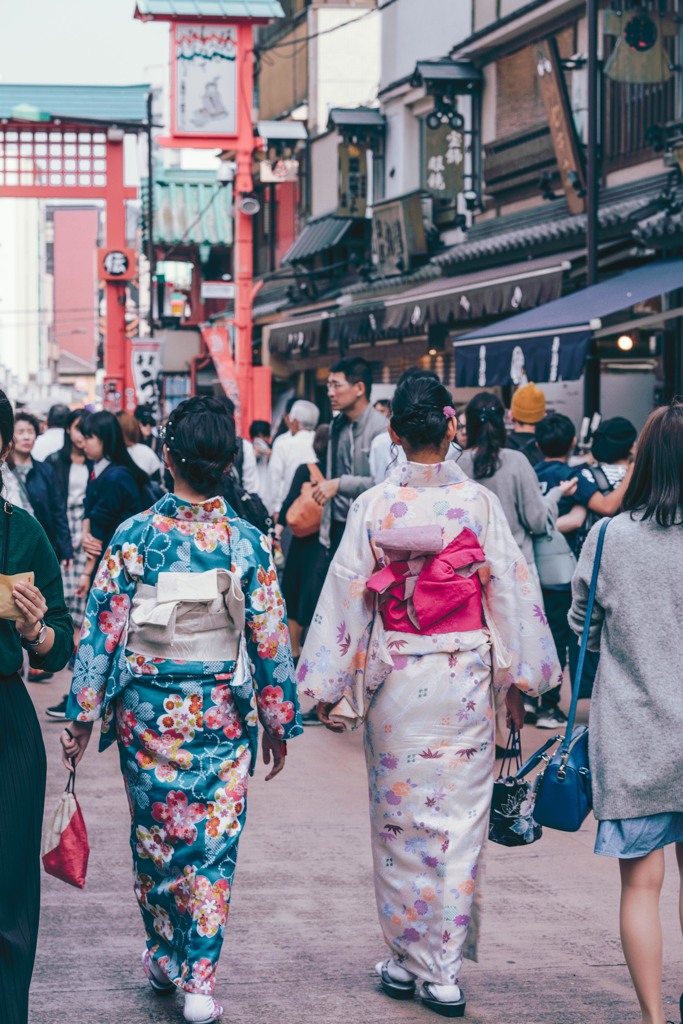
[(303, 935)]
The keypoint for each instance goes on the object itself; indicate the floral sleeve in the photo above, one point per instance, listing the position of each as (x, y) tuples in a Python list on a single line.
[(269, 649), (103, 635)]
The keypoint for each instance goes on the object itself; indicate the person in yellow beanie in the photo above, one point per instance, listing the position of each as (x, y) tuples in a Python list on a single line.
[(527, 408)]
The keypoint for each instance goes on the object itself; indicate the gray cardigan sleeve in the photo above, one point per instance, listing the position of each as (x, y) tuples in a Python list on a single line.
[(580, 588), (535, 512), (353, 486)]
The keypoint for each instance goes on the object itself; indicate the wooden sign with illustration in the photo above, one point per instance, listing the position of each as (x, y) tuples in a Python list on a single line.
[(561, 123)]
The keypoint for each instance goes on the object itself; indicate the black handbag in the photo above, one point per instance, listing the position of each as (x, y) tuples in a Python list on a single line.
[(511, 819), (563, 788)]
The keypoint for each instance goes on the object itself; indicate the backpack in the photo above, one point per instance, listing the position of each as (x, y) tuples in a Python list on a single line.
[(605, 487)]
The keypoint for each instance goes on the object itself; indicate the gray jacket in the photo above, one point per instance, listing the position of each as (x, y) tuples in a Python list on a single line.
[(363, 431), (636, 715)]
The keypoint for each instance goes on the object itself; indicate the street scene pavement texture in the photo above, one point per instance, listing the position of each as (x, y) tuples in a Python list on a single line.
[(303, 935)]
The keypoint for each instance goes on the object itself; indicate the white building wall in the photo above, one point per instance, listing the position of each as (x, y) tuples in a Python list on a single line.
[(324, 163), (345, 64), (20, 306), (415, 30)]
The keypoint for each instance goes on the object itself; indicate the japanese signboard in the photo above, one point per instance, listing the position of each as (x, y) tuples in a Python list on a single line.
[(205, 80), (398, 233), (146, 369), (272, 172), (561, 123), (117, 264), (353, 180), (445, 162)]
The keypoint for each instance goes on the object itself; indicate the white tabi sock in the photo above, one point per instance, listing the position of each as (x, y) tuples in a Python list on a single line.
[(197, 1007), (444, 993), (395, 971), (156, 971)]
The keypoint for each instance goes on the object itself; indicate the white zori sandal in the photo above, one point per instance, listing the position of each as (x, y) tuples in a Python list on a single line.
[(200, 1009)]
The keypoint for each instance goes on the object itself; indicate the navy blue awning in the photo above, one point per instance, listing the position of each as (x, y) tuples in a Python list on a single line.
[(550, 342)]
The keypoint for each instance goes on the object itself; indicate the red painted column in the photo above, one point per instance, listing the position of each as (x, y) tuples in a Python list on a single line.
[(244, 228), (117, 355)]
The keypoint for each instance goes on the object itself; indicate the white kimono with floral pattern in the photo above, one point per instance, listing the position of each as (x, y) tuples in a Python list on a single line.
[(427, 703)]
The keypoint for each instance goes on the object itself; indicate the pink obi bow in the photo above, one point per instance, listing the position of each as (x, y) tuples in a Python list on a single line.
[(430, 591)]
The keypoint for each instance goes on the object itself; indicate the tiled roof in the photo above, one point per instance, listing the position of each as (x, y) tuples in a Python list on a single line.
[(498, 237), (318, 235), (163, 9), (191, 208), (101, 102)]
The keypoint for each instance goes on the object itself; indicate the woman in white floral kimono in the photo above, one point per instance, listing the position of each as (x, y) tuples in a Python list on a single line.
[(184, 648), (428, 612)]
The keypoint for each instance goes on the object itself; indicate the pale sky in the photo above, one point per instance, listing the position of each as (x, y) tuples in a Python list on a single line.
[(80, 42)]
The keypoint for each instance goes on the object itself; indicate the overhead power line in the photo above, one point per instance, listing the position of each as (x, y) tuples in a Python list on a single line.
[(325, 31)]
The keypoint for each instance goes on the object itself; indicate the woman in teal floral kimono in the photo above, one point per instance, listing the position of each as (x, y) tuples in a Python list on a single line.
[(184, 648)]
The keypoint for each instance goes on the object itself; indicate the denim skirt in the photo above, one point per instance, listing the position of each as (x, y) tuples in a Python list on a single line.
[(636, 837)]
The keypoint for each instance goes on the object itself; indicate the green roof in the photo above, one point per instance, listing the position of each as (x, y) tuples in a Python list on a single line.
[(190, 208), (171, 9), (99, 102)]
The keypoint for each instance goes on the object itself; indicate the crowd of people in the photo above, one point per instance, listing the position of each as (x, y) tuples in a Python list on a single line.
[(435, 563)]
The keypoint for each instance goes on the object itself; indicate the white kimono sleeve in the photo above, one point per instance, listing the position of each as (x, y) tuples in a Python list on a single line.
[(333, 661), (523, 647)]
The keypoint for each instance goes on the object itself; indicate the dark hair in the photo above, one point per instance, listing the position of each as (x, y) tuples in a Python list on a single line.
[(418, 415), (385, 403), (227, 403), (201, 439), (356, 370), (485, 425), (27, 417), (143, 414), (321, 439), (656, 487), (58, 415), (64, 453), (555, 434), (107, 428), (6, 420), (259, 428)]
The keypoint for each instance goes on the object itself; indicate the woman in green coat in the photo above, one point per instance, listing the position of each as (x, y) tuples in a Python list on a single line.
[(44, 628)]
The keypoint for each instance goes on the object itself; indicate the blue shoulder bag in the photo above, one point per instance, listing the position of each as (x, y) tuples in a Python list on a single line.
[(563, 787)]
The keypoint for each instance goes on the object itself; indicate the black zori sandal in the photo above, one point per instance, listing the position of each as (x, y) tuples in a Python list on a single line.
[(456, 1009), (395, 989)]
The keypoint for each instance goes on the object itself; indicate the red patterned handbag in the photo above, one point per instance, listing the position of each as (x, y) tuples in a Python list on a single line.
[(65, 842)]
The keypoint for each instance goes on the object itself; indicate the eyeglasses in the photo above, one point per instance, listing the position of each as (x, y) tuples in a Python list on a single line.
[(335, 385)]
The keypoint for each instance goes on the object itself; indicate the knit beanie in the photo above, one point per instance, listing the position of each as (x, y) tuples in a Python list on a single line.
[(528, 404), (613, 440)]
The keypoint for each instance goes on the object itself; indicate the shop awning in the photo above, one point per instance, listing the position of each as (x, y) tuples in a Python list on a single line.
[(358, 326), (300, 335), (318, 235), (550, 342), (449, 301)]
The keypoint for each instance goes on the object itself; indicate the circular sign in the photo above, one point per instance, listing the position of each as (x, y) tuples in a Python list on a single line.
[(115, 263), (640, 33)]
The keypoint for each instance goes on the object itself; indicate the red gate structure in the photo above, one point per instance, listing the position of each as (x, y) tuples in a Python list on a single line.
[(212, 93), (67, 142)]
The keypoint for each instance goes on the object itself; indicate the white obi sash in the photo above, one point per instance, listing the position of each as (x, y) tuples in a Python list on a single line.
[(188, 617)]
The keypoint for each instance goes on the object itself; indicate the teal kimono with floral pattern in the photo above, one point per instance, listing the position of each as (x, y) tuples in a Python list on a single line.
[(187, 730)]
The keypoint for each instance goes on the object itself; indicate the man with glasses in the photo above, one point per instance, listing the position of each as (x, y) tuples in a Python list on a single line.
[(348, 455)]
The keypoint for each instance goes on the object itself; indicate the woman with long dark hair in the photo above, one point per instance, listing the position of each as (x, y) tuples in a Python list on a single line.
[(508, 473), (116, 489), (636, 715), (72, 470), (428, 611), (185, 647), (45, 630)]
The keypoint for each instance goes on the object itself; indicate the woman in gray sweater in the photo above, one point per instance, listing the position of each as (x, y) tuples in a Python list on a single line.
[(508, 473), (636, 717)]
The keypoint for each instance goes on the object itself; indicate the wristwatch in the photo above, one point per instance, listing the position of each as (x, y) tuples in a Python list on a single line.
[(42, 633)]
